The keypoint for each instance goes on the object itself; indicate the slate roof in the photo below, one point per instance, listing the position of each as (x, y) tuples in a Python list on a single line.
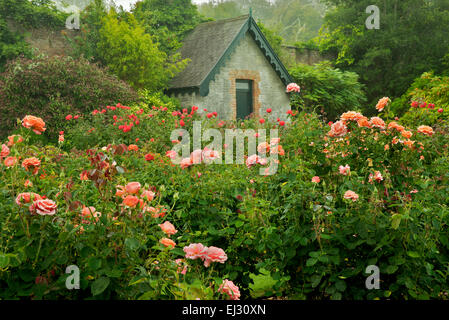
[(207, 47)]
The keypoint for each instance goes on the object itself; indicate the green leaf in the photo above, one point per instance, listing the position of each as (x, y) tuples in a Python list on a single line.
[(132, 244), (413, 254), (395, 221), (262, 283), (311, 262), (99, 285)]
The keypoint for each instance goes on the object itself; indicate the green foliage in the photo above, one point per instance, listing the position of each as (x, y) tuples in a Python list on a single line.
[(327, 90), (390, 58), (28, 14), (301, 19), (168, 21), (56, 86), (132, 55)]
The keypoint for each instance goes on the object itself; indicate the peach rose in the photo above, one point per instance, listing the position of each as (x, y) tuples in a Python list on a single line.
[(395, 125), (382, 103), (132, 187), (15, 137), (27, 197), (168, 228), (210, 155), (90, 212), (43, 207), (10, 161), (316, 179), (31, 163), (425, 130), (168, 242), (229, 288), (351, 116), (338, 129), (377, 122), (147, 195), (34, 123), (120, 191), (363, 123), (263, 147), (130, 201), (406, 134), (351, 195)]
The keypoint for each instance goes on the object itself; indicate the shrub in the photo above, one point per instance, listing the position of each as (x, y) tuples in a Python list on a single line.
[(427, 100), (326, 90), (54, 87)]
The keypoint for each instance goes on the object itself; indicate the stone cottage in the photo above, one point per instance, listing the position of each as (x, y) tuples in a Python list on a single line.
[(233, 71)]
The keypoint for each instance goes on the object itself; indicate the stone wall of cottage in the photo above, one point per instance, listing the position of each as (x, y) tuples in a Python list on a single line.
[(247, 61)]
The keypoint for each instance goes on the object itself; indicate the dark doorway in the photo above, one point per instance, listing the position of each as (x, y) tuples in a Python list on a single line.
[(244, 97)]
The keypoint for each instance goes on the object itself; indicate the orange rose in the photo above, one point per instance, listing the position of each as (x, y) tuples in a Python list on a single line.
[(34, 123), (132, 187), (351, 116), (425, 130), (168, 242), (31, 163), (11, 139), (382, 103), (409, 143), (377, 122), (363, 122), (406, 134), (395, 125), (131, 201), (133, 147), (168, 228)]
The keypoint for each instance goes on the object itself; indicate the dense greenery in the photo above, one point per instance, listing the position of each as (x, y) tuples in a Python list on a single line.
[(412, 39), (426, 99), (28, 14), (326, 90), (301, 19), (168, 20), (56, 86)]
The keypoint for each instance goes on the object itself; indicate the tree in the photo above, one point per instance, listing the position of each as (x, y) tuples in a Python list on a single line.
[(168, 21), (412, 39), (132, 54)]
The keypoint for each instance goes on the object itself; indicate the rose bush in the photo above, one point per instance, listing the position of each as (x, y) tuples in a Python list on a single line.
[(358, 192)]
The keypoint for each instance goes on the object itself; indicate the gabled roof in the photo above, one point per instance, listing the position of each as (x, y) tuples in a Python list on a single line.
[(210, 44)]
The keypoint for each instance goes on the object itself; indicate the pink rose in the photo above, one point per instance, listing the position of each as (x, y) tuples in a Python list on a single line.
[(43, 207), (229, 288), (344, 170), (5, 151), (316, 179), (195, 251), (351, 195), (214, 254)]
